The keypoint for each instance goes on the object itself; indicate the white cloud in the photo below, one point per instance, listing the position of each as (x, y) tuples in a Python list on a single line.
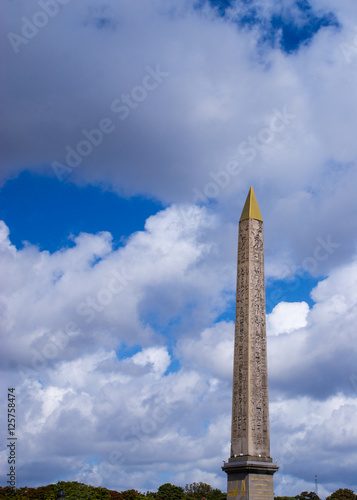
[(321, 356), (72, 296), (177, 420), (69, 316), (212, 352), (287, 317), (159, 358), (191, 126), (309, 422)]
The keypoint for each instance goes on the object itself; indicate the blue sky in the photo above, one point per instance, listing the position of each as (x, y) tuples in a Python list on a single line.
[(288, 27), (132, 134), (52, 213)]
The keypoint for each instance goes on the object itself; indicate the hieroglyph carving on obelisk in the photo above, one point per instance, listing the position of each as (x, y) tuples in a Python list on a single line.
[(250, 408), (250, 460)]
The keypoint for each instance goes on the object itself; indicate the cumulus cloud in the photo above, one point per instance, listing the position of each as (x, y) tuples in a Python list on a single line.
[(158, 358), (212, 351), (125, 295), (182, 105), (300, 427), (202, 132), (135, 410), (287, 317), (68, 362), (321, 355)]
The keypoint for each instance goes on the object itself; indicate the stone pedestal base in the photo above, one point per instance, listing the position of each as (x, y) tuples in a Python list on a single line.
[(249, 480)]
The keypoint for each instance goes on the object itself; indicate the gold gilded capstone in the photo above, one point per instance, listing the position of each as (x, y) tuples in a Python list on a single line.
[(251, 207)]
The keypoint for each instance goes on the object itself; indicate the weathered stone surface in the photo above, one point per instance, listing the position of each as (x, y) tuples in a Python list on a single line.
[(250, 408), (250, 469), (252, 486), (250, 480)]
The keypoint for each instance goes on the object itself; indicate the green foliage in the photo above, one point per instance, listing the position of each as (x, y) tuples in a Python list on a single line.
[(150, 495), (307, 496), (115, 495), (6, 492), (130, 494), (342, 494), (197, 491), (194, 491), (72, 490), (216, 494), (169, 491), (41, 493), (77, 491)]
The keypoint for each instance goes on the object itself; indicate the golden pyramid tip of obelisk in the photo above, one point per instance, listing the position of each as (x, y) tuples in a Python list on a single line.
[(251, 208)]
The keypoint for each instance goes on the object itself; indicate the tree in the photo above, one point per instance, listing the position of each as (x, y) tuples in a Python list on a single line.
[(8, 492), (150, 495), (169, 491), (216, 494), (77, 491), (307, 496), (115, 495), (197, 491), (73, 491), (342, 494), (130, 494)]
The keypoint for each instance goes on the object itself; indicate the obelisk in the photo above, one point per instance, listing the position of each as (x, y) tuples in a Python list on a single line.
[(250, 469)]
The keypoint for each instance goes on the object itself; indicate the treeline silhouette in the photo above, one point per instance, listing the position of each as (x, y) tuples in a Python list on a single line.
[(74, 491), (194, 491)]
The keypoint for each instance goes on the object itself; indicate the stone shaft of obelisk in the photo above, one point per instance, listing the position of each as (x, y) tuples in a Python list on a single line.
[(250, 411)]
